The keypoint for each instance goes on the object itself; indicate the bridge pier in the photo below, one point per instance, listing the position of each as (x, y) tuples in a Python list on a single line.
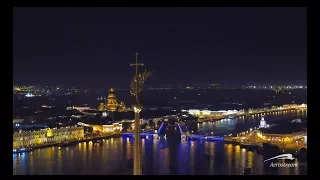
[(155, 136), (183, 137)]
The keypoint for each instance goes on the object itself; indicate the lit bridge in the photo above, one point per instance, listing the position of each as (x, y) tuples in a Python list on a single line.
[(216, 115), (206, 138), (183, 129), (142, 135), (184, 132)]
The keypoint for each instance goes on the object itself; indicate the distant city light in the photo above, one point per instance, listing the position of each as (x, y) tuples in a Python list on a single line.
[(29, 95), (104, 114)]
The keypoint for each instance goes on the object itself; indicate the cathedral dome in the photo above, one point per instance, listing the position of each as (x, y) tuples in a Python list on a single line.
[(111, 94), (112, 103)]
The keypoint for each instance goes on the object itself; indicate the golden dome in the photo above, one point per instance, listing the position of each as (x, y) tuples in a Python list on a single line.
[(111, 94), (111, 101)]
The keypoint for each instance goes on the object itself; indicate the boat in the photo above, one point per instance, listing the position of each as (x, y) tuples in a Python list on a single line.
[(21, 150), (183, 137), (231, 118), (296, 121)]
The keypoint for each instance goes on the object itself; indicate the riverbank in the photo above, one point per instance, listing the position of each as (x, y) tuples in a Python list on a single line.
[(67, 143), (210, 118), (259, 147), (114, 157)]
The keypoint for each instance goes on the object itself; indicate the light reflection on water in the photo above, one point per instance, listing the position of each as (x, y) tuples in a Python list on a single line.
[(110, 157), (160, 157), (224, 126)]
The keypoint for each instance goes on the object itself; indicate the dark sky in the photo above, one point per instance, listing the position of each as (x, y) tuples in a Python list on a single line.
[(94, 46)]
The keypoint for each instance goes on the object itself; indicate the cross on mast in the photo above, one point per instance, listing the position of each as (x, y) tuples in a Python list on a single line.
[(136, 64), (137, 160), (136, 79)]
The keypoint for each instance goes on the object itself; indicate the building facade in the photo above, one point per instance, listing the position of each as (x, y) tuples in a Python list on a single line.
[(43, 136), (263, 123), (113, 128), (278, 139), (112, 102)]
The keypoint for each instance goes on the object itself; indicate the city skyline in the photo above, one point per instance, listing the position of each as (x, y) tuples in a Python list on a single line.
[(93, 46), (225, 91)]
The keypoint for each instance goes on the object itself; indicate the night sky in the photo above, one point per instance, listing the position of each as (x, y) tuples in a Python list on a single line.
[(93, 47)]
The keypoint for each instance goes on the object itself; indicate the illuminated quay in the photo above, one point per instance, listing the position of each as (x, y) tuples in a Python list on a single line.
[(263, 133), (44, 136), (207, 115), (52, 136)]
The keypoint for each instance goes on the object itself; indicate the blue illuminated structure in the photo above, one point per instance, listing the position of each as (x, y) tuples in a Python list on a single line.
[(180, 129), (187, 128), (132, 134), (161, 126), (22, 150), (207, 138)]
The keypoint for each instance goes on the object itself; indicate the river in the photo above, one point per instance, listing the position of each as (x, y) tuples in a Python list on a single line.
[(113, 156)]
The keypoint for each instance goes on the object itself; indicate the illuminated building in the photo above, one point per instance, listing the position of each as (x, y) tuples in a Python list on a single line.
[(197, 112), (79, 108), (18, 121), (104, 114), (122, 107), (24, 89), (263, 123), (101, 98), (48, 135), (29, 95), (102, 107), (289, 135), (112, 105), (91, 112), (296, 121), (113, 128), (208, 113), (280, 138)]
